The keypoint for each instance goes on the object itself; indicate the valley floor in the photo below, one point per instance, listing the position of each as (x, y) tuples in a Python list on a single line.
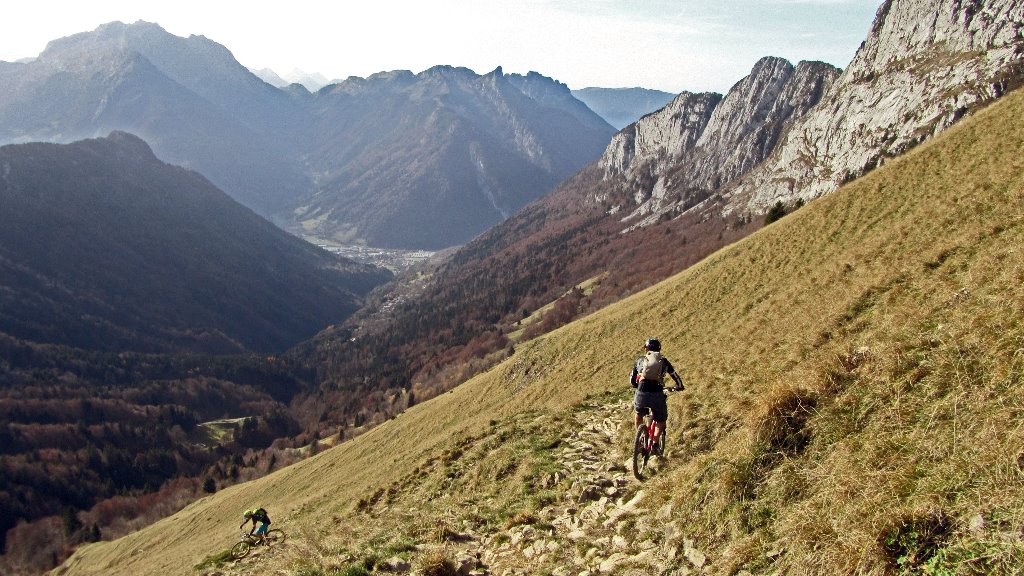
[(395, 260)]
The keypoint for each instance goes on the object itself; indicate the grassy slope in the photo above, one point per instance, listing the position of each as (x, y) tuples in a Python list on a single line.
[(854, 374)]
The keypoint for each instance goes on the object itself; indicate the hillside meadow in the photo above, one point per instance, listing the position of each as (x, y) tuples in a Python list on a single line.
[(854, 405)]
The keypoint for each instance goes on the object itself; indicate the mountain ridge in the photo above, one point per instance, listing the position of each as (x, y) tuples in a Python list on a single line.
[(283, 152), (912, 78), (487, 134), (102, 224)]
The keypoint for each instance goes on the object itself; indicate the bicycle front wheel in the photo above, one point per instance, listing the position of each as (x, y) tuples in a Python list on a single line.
[(240, 550), (275, 537), (640, 452)]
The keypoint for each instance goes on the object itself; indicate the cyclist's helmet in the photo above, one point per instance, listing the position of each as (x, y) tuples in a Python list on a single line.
[(652, 344), (249, 513)]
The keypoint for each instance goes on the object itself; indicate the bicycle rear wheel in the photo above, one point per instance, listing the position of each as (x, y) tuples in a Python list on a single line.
[(240, 550), (275, 537), (640, 452)]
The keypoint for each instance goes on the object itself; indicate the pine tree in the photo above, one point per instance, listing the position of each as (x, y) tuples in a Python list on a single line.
[(775, 213)]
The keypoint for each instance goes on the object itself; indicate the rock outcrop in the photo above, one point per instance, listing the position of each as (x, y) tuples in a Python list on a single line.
[(788, 133), (924, 65), (680, 155)]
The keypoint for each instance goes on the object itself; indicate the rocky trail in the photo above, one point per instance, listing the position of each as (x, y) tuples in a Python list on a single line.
[(606, 524)]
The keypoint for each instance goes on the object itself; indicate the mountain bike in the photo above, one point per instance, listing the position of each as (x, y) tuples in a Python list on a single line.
[(248, 541), (644, 445)]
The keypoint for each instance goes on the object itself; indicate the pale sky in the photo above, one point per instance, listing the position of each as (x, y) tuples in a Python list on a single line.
[(671, 45)]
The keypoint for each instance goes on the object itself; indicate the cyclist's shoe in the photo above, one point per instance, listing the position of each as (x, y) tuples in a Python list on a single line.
[(659, 448)]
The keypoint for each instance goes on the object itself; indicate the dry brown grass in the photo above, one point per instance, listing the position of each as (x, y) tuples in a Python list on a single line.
[(854, 403)]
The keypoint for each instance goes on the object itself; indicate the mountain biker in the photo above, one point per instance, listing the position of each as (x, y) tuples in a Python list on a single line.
[(648, 378), (257, 515)]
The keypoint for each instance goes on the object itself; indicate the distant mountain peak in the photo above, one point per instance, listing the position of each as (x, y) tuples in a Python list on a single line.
[(130, 142), (313, 81), (470, 149), (621, 107)]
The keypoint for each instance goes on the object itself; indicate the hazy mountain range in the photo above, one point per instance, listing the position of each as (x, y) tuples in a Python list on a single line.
[(623, 106), (346, 164), (431, 159), (620, 107)]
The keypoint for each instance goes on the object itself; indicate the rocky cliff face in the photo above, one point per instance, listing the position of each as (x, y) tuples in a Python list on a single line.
[(679, 156), (660, 138), (924, 65)]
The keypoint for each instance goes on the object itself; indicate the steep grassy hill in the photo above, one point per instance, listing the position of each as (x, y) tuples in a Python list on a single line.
[(855, 378)]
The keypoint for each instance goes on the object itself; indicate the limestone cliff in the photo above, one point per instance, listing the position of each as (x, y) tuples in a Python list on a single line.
[(679, 156), (924, 65)]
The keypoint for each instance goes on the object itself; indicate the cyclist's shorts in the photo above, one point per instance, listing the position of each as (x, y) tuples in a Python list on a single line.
[(262, 528), (653, 400)]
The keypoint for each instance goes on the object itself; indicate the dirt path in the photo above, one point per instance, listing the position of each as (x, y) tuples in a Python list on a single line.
[(604, 524)]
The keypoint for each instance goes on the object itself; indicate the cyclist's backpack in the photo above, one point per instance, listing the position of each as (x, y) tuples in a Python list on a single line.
[(652, 367)]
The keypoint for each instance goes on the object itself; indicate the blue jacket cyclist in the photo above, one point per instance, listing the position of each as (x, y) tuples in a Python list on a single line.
[(257, 515)]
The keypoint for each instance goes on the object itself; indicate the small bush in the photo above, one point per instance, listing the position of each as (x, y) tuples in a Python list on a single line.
[(444, 530), (914, 541), (435, 562), (782, 425), (520, 519), (214, 560)]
